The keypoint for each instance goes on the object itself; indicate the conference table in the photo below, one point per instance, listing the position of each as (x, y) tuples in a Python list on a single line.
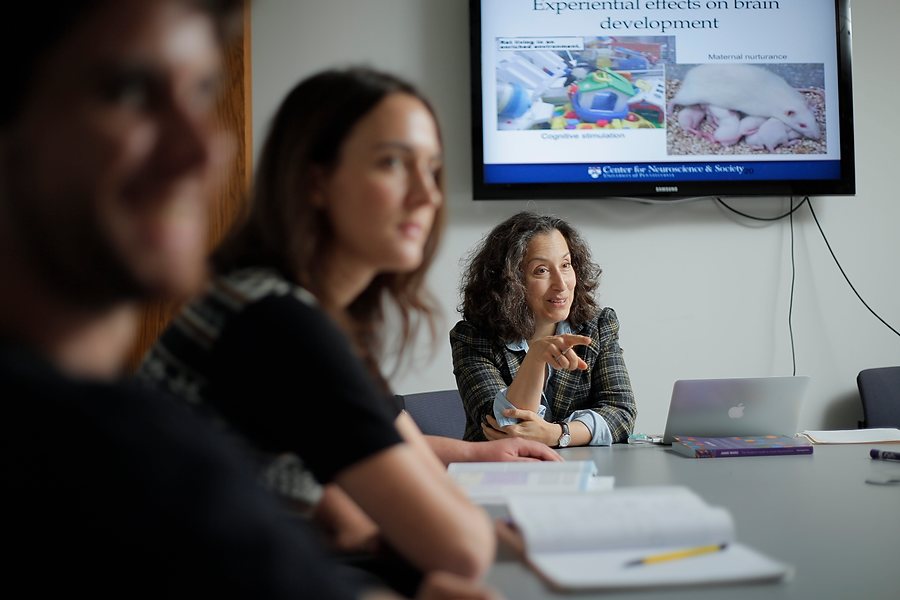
[(815, 512)]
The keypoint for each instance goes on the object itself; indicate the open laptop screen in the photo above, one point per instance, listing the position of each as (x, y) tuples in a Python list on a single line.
[(735, 406)]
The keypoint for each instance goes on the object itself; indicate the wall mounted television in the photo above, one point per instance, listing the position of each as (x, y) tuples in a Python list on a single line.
[(661, 99)]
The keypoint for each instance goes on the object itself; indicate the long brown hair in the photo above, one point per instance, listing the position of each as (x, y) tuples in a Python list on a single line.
[(285, 229), (493, 283)]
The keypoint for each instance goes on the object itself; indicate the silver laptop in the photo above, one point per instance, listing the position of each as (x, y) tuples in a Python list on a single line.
[(737, 406)]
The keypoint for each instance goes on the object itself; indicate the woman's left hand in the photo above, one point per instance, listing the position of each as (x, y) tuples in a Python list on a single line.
[(531, 426)]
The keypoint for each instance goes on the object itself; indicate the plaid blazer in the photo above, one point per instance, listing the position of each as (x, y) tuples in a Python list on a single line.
[(484, 366)]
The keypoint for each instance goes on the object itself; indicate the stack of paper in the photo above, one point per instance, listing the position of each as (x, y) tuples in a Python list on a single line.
[(495, 482), (853, 436)]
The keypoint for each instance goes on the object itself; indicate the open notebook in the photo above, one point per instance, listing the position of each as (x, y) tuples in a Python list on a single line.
[(595, 541)]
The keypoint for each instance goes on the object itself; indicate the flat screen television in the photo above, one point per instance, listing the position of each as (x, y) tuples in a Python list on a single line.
[(661, 99)]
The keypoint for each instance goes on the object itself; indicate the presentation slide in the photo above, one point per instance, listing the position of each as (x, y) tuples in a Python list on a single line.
[(657, 89)]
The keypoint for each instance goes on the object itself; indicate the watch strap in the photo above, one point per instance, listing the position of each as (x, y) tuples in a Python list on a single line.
[(564, 434)]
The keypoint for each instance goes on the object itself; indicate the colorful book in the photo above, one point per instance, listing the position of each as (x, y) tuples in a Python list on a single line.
[(746, 445)]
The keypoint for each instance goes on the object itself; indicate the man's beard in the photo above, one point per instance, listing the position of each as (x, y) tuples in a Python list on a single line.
[(73, 257)]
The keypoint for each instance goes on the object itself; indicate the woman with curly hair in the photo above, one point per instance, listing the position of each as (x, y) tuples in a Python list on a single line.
[(535, 357)]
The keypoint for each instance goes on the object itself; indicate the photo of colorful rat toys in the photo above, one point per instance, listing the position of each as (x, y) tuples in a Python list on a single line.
[(601, 96)]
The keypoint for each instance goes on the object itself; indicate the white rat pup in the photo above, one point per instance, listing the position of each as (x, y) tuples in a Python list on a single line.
[(727, 122), (690, 118), (772, 134), (750, 124)]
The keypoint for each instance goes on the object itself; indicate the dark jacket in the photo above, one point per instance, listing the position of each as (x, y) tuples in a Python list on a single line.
[(484, 366)]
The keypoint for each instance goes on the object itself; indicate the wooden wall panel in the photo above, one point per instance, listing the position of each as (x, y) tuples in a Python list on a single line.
[(234, 113)]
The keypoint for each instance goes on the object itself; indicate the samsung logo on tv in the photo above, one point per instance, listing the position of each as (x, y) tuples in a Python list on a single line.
[(666, 188)]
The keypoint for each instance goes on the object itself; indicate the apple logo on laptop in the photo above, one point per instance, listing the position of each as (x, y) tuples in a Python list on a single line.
[(736, 412)]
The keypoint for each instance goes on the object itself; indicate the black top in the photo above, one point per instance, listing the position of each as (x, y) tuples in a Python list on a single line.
[(111, 490), (258, 353), (286, 377)]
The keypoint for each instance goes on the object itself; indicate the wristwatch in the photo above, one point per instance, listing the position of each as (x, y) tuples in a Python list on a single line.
[(564, 438)]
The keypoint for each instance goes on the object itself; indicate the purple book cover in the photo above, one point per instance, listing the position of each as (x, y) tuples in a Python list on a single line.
[(747, 445)]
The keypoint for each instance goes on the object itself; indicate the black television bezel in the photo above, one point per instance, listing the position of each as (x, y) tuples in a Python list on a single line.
[(843, 186)]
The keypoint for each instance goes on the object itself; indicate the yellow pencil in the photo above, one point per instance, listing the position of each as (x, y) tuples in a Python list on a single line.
[(675, 555)]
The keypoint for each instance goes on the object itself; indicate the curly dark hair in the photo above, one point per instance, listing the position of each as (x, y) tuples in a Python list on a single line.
[(493, 283), (286, 230)]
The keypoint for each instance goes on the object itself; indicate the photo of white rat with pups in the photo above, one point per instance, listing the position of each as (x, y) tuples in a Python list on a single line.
[(743, 108)]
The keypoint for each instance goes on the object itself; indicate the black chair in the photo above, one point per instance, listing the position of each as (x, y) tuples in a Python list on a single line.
[(879, 390), (437, 413)]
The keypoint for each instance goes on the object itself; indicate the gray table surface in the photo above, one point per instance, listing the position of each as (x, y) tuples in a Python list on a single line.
[(817, 513)]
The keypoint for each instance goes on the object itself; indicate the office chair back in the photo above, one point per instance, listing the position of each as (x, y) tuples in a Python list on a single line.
[(437, 413), (879, 390)]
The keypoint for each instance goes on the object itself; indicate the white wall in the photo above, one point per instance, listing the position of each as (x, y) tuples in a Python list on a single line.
[(699, 293)]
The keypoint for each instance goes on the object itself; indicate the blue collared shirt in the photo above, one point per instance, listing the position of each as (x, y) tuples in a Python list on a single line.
[(596, 425)]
